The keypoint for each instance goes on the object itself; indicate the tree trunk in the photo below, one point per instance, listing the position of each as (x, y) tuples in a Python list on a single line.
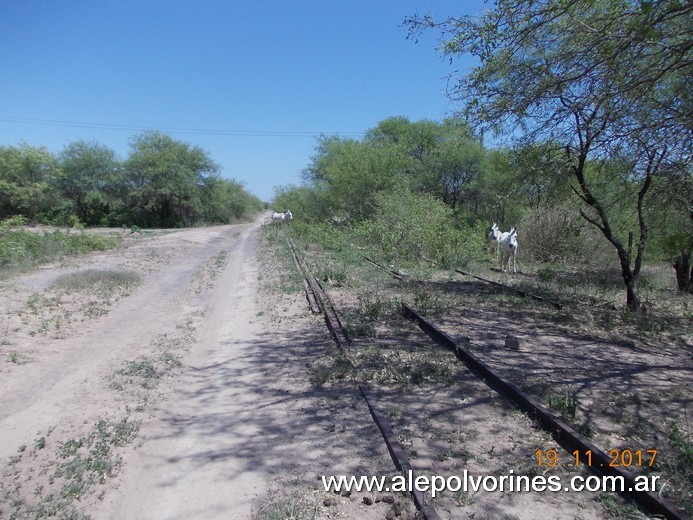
[(632, 298), (630, 276), (684, 272)]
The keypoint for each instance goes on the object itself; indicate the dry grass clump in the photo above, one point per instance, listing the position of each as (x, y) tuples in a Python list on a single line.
[(107, 283)]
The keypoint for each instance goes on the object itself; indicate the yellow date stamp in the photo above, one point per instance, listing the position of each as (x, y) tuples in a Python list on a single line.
[(618, 458)]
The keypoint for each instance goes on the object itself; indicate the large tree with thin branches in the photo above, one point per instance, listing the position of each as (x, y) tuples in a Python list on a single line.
[(608, 80)]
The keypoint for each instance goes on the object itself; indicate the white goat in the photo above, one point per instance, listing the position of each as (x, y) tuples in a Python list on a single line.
[(493, 238), (279, 218), (508, 247)]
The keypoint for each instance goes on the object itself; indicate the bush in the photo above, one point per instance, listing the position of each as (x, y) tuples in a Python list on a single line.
[(560, 234), (408, 225)]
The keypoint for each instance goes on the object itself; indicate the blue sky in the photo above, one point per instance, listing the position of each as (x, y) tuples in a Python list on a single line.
[(253, 83)]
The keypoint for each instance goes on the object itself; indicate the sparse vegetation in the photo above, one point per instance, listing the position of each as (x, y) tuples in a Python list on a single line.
[(142, 367), (71, 299), (76, 468), (278, 505), (104, 283), (369, 307), (616, 508), (21, 248), (678, 461)]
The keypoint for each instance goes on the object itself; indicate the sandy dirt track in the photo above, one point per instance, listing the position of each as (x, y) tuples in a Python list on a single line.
[(233, 417)]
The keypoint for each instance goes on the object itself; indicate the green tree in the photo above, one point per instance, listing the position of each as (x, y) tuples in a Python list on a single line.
[(416, 139), (226, 200), (27, 174), (92, 181), (455, 168), (353, 172), (446, 159), (603, 79), (307, 203), (164, 178), (540, 175)]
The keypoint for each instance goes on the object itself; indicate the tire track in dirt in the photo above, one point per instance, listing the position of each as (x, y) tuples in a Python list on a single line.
[(64, 390), (188, 445), (244, 419)]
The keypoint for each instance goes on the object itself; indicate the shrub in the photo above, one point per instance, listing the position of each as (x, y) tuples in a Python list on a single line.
[(408, 225), (560, 234), (22, 248)]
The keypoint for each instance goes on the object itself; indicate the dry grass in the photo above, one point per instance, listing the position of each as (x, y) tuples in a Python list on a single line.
[(621, 379)]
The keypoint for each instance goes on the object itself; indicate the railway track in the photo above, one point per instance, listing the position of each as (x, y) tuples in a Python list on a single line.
[(397, 453), (566, 436)]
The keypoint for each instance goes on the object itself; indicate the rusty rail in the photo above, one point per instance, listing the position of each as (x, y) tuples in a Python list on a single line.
[(564, 434), (522, 293), (395, 449), (310, 294), (397, 454), (394, 274), (332, 321)]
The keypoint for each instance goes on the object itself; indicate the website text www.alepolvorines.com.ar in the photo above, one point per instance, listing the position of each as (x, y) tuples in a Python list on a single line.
[(436, 484)]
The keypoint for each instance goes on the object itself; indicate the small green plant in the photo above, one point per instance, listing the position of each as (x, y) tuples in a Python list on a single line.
[(89, 460), (94, 310), (363, 320), (220, 260), (40, 443), (339, 370), (34, 303), (371, 305), (424, 303), (564, 403), (681, 444), (170, 360), (74, 222), (586, 430), (429, 371), (463, 498), (10, 222), (447, 454), (546, 273), (614, 508), (81, 464), (678, 461), (142, 367), (333, 275)]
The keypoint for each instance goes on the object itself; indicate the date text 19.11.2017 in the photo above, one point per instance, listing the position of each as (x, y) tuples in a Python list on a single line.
[(626, 458)]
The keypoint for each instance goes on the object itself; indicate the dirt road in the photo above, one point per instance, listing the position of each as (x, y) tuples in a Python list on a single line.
[(187, 396)]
